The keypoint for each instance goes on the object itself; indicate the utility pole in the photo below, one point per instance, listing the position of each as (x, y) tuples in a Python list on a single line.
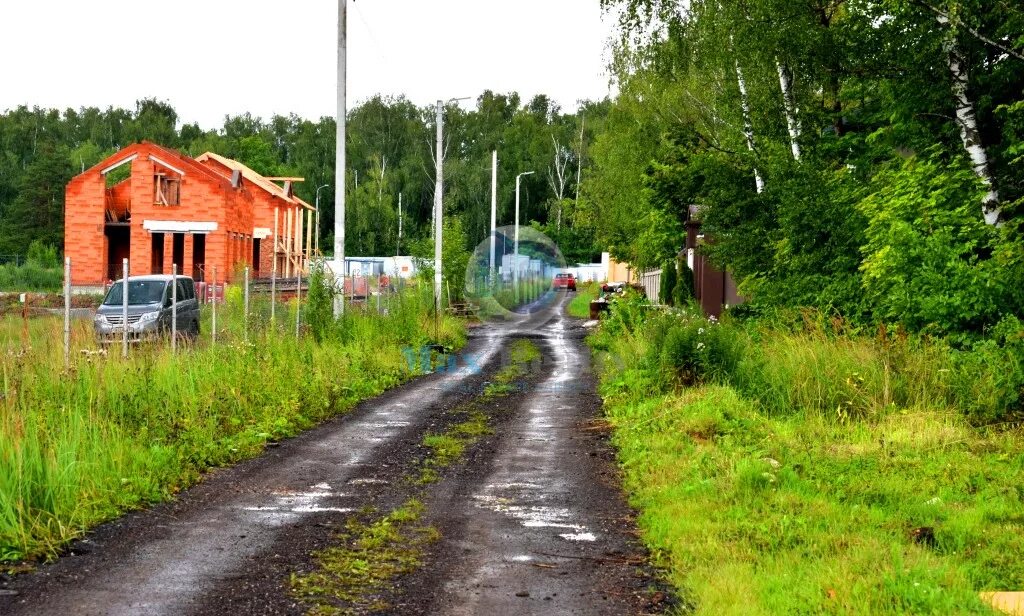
[(515, 267), (398, 250), (339, 167), (494, 209)]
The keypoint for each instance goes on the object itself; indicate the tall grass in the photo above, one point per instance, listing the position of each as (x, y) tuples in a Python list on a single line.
[(810, 470), (111, 434)]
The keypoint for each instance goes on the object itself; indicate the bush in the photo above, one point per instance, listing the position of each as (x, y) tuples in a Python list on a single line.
[(682, 293), (668, 284), (320, 303), (700, 351), (31, 277), (42, 255), (927, 260)]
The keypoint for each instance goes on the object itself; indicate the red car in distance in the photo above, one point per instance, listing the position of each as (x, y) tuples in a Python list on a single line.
[(564, 281)]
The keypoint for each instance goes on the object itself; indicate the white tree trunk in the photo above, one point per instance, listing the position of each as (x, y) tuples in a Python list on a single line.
[(748, 123), (969, 134), (789, 102), (557, 177), (579, 161)]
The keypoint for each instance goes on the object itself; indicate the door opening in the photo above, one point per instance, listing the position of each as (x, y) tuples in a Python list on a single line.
[(199, 258), (156, 265), (178, 251)]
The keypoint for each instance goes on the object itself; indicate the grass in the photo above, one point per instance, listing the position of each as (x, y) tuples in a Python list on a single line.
[(586, 292), (353, 576), (522, 353), (449, 447), (820, 475), (110, 434)]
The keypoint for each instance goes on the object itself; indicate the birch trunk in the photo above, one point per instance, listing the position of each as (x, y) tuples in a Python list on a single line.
[(579, 161), (789, 102), (748, 123), (557, 177), (968, 123)]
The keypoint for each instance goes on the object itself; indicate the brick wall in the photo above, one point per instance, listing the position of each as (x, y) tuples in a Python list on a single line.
[(206, 196)]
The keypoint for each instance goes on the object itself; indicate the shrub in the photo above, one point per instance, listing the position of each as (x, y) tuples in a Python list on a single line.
[(668, 284), (927, 260), (320, 303), (682, 293), (700, 351), (42, 255)]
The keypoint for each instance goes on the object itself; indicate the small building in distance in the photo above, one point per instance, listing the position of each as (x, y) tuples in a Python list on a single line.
[(157, 207)]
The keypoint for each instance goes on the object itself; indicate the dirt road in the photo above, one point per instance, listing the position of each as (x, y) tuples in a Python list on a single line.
[(530, 520)]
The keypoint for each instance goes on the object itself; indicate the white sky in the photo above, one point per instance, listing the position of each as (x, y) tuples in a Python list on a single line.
[(210, 58)]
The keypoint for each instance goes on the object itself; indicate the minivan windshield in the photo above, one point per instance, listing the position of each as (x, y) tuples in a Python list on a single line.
[(140, 292)]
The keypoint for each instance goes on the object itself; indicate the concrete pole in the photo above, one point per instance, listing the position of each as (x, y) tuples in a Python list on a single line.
[(124, 308), (398, 249), (438, 200), (339, 167), (67, 312), (494, 210)]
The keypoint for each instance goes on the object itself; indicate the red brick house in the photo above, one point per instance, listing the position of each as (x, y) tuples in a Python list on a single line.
[(157, 207)]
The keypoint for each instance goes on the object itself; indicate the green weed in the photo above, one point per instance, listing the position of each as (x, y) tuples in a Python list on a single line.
[(353, 576), (579, 305)]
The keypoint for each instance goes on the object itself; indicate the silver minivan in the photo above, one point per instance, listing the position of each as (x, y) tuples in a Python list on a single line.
[(149, 309)]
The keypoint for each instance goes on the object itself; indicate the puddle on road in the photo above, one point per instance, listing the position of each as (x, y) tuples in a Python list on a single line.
[(535, 516), (579, 537), (287, 505), (365, 481)]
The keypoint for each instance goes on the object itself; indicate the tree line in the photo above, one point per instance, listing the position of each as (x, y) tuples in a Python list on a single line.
[(864, 157), (390, 153)]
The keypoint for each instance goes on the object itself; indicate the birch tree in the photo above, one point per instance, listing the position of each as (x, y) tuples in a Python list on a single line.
[(789, 103), (967, 121), (557, 177)]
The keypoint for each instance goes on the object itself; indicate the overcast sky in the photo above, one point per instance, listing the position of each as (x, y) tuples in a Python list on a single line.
[(210, 58)]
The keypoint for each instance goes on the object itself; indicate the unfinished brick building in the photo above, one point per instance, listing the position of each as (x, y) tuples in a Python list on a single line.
[(157, 207)]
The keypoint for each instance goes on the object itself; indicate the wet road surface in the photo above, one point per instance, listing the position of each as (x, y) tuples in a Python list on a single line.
[(533, 522)]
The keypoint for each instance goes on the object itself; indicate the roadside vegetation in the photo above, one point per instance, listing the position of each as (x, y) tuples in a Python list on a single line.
[(111, 434), (40, 271), (797, 465), (579, 305)]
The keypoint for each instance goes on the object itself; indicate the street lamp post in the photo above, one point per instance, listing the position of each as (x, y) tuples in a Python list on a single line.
[(515, 267), (317, 244)]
